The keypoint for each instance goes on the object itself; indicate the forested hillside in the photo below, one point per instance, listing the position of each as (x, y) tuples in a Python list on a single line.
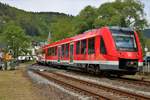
[(62, 25), (34, 24)]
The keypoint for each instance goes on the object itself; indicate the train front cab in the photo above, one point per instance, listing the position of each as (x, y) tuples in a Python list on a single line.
[(124, 52)]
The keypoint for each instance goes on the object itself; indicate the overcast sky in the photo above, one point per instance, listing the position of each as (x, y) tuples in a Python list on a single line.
[(72, 7)]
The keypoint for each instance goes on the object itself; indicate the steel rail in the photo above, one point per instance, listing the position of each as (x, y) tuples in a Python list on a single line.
[(97, 95), (114, 90)]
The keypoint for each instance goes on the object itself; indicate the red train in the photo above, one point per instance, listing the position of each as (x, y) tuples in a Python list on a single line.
[(114, 50)]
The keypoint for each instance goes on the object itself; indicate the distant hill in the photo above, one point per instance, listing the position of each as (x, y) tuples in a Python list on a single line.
[(147, 33), (34, 24)]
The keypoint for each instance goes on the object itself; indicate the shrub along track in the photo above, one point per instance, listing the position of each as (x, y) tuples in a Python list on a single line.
[(90, 88)]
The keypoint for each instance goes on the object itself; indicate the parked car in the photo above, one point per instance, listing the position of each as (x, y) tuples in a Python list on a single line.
[(24, 58)]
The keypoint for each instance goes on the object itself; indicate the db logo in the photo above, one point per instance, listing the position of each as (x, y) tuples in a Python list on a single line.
[(129, 54)]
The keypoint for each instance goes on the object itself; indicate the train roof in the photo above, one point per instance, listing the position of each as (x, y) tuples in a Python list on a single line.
[(120, 28), (86, 34)]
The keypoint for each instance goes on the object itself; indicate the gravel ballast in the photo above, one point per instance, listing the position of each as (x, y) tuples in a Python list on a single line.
[(103, 81), (54, 91)]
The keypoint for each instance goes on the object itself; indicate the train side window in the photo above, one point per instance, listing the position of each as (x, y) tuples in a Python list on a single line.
[(78, 47), (83, 46), (49, 51), (62, 50), (102, 46), (55, 51), (67, 50), (52, 51), (91, 45)]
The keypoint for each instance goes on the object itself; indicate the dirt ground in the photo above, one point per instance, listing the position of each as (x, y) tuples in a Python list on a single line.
[(139, 76), (16, 85)]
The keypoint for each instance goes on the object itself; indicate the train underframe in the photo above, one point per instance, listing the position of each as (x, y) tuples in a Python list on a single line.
[(119, 70)]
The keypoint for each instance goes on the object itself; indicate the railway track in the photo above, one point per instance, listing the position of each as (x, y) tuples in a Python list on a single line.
[(126, 80), (133, 81), (98, 91)]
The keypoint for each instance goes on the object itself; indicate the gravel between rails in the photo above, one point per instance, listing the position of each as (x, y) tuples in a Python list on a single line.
[(104, 81), (63, 93), (109, 83)]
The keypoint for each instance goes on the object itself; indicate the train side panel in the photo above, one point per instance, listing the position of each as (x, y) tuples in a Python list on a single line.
[(100, 49)]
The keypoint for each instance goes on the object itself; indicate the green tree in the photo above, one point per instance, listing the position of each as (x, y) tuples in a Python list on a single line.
[(16, 39), (85, 19), (62, 28), (125, 13)]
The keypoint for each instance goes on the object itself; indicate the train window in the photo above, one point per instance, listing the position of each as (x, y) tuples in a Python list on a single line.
[(91, 45), (55, 51), (78, 47), (63, 50), (67, 50), (49, 51), (83, 46), (52, 52), (102, 46)]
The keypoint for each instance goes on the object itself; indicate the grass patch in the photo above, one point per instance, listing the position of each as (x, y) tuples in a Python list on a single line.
[(14, 85)]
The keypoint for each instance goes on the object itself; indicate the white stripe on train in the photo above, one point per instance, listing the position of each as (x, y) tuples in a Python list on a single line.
[(91, 62), (87, 62)]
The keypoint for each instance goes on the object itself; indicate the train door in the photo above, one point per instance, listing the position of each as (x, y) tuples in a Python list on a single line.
[(59, 53), (71, 53)]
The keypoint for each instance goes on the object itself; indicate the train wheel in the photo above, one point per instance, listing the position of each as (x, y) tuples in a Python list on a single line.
[(90, 68), (93, 69)]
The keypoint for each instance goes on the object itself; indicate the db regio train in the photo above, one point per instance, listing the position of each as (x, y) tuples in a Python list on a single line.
[(114, 50)]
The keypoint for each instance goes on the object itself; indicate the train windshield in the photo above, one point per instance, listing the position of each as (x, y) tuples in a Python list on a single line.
[(125, 40)]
